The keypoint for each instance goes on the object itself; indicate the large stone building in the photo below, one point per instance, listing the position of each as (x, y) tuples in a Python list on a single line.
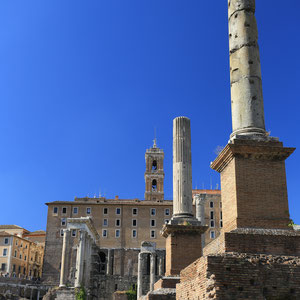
[(122, 226), (21, 252)]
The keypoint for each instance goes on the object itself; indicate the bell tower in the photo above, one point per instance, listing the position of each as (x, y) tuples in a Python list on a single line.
[(154, 175)]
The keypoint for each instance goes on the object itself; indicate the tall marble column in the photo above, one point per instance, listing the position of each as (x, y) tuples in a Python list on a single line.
[(80, 258), (160, 266), (141, 263), (182, 168), (152, 270), (66, 233), (245, 71), (109, 262)]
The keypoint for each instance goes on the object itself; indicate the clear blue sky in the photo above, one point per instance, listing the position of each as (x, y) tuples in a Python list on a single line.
[(84, 83)]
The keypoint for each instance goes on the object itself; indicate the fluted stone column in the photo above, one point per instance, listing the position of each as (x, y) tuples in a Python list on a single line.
[(160, 266), (152, 270), (245, 71), (182, 168), (200, 214), (66, 233), (141, 263), (80, 259), (109, 262)]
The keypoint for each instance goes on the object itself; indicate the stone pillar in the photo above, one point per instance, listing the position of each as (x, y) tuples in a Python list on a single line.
[(182, 168), (160, 266), (62, 282), (80, 259), (109, 262), (245, 71), (200, 214), (152, 270), (140, 275)]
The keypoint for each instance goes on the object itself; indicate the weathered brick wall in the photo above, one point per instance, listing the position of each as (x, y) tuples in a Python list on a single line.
[(267, 241), (241, 276)]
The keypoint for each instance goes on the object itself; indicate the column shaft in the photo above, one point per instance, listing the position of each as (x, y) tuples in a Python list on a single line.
[(245, 71), (182, 168), (63, 257), (152, 270), (80, 259), (140, 275)]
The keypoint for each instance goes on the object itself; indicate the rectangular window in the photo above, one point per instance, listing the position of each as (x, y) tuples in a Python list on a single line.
[(118, 211), (6, 240), (152, 234), (20, 256), (118, 222), (105, 222), (212, 223), (63, 222), (61, 232), (26, 246), (212, 234), (211, 204), (4, 252), (221, 215), (55, 210), (221, 223), (88, 210), (105, 210), (117, 233), (3, 267), (64, 210), (74, 232), (14, 268), (134, 223), (75, 210), (21, 245), (25, 257), (152, 223), (167, 211), (211, 215), (220, 204), (104, 232), (134, 233), (16, 242), (152, 211), (134, 211)]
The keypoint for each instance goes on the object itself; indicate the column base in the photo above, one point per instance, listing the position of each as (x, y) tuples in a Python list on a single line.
[(183, 244)]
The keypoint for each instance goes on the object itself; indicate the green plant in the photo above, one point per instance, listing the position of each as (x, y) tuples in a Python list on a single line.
[(291, 223), (131, 294), (80, 293)]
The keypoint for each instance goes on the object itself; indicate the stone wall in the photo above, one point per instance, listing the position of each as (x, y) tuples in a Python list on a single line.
[(241, 276)]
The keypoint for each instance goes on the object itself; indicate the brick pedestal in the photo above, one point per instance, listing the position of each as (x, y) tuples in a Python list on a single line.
[(183, 246), (253, 181)]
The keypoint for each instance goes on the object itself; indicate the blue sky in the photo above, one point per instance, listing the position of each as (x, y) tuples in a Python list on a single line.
[(83, 84)]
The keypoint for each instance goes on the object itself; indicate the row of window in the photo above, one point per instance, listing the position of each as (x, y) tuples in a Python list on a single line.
[(117, 222), (212, 215), (117, 233), (6, 242), (211, 204), (105, 211), (133, 233)]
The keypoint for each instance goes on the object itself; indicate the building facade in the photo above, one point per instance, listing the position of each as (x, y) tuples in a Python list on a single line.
[(19, 255)]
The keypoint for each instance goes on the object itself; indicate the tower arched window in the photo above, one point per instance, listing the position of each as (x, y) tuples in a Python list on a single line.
[(154, 185), (154, 165)]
